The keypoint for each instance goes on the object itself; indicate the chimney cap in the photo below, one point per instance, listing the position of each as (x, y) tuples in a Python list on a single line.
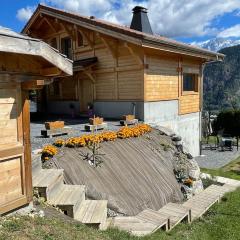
[(139, 9)]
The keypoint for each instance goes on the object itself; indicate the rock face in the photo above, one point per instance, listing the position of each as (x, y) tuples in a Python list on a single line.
[(186, 169), (187, 173)]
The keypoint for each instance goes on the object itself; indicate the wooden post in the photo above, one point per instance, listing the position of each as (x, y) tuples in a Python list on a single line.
[(27, 144)]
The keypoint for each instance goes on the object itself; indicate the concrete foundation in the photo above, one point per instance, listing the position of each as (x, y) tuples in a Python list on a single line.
[(165, 113), (115, 110)]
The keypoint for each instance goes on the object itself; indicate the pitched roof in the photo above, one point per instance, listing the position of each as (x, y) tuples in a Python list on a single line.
[(13, 42), (125, 33)]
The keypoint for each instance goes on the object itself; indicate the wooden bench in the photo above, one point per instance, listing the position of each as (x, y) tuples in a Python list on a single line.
[(55, 132), (129, 122), (90, 128)]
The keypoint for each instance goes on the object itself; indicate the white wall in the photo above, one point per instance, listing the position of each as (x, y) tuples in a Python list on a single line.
[(116, 110), (165, 113)]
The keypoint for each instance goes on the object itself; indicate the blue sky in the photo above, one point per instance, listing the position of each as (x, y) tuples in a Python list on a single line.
[(184, 20)]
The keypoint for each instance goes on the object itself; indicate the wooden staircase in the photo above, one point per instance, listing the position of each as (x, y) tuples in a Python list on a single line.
[(71, 200)]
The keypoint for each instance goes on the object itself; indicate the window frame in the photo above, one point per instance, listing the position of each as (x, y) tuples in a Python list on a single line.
[(71, 46), (195, 90)]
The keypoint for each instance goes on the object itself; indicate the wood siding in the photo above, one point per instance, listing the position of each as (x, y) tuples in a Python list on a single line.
[(13, 190), (124, 72), (118, 76), (189, 102), (161, 79)]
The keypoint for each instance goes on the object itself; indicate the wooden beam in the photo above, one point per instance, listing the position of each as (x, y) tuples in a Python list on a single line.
[(39, 23), (11, 151), (50, 24), (106, 42), (70, 30), (90, 75), (50, 72), (86, 36), (134, 53), (31, 85), (27, 145)]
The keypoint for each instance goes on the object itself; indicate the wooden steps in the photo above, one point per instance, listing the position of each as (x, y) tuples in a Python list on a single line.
[(48, 181), (93, 212), (200, 203), (69, 199), (149, 215), (176, 214), (135, 226)]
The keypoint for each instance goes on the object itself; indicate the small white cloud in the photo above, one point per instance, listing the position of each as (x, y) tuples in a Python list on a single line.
[(230, 32), (24, 14)]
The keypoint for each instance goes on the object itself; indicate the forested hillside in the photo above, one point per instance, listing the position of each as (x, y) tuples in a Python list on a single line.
[(222, 81)]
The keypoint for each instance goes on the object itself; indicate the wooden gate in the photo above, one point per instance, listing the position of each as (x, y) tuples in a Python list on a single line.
[(15, 158)]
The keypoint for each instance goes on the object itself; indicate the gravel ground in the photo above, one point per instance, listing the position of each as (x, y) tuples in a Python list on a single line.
[(77, 126), (213, 159)]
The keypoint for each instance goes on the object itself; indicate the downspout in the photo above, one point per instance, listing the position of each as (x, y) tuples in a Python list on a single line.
[(201, 108), (201, 100)]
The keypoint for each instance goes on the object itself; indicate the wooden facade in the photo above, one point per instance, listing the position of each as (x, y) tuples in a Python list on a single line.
[(21, 71), (131, 66)]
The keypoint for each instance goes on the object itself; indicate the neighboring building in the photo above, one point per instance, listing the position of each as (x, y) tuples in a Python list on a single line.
[(121, 70), (26, 64)]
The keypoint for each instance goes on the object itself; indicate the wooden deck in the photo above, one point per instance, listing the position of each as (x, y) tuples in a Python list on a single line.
[(136, 226), (172, 214)]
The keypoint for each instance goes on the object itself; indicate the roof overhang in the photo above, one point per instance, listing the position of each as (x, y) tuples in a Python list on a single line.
[(11, 42), (124, 33)]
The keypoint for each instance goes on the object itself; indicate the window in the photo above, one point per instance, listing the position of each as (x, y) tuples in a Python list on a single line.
[(66, 47), (190, 82), (80, 40)]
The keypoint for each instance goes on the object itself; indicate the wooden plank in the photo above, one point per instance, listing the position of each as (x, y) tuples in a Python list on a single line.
[(5, 151), (11, 186), (27, 171), (13, 205)]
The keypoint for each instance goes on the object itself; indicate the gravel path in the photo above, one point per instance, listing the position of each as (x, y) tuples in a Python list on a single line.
[(77, 130), (216, 159)]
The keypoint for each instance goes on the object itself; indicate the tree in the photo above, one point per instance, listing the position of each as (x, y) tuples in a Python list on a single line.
[(229, 122)]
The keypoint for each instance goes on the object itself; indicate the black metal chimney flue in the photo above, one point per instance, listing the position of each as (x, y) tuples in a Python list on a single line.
[(140, 20)]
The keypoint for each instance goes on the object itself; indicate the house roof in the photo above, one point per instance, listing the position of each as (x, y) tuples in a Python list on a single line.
[(124, 33), (13, 42)]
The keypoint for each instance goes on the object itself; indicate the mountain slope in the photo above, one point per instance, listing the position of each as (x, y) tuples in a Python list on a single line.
[(222, 81), (217, 44)]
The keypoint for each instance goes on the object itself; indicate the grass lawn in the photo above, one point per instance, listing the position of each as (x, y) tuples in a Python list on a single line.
[(220, 223), (231, 170)]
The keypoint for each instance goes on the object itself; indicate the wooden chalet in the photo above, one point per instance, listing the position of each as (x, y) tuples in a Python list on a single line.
[(124, 70), (25, 64)]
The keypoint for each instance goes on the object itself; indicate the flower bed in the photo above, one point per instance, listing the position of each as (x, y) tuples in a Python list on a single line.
[(48, 152), (90, 139)]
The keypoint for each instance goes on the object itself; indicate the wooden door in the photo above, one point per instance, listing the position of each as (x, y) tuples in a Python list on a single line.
[(15, 177), (86, 89)]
